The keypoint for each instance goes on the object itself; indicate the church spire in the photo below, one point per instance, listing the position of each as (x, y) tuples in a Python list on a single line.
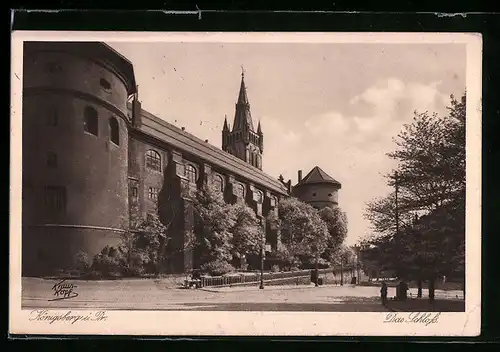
[(243, 117), (226, 127), (259, 129)]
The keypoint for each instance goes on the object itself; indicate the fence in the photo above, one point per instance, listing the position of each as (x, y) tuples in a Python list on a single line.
[(255, 277)]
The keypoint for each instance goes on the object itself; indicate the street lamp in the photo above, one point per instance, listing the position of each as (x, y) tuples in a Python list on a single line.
[(261, 256)]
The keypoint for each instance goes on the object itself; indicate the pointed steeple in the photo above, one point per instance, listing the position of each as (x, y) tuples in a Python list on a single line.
[(242, 96), (226, 127), (243, 117), (259, 129)]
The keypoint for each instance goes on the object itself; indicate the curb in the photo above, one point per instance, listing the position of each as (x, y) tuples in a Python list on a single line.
[(272, 287)]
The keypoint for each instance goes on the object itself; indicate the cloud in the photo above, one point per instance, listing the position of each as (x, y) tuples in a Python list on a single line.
[(352, 147)]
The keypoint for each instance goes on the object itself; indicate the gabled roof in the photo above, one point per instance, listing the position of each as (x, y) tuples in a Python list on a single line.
[(316, 175)]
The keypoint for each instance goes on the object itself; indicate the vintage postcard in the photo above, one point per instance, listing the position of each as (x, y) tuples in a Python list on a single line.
[(312, 184)]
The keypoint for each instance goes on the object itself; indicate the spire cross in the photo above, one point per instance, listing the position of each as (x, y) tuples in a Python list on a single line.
[(242, 71)]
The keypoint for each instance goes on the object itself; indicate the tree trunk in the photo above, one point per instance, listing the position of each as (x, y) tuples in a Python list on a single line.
[(419, 292), (431, 289), (341, 274), (317, 272)]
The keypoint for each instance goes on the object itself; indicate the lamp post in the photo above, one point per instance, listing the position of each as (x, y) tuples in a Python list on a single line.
[(261, 257)]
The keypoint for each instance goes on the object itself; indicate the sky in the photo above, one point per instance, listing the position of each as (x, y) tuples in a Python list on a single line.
[(333, 105)]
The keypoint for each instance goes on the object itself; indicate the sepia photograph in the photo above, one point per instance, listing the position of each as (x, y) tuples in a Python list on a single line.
[(243, 183)]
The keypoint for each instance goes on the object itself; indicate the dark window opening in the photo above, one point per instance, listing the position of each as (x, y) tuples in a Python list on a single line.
[(153, 193), (105, 84), (51, 159), (314, 194), (190, 173), (153, 160), (134, 192), (55, 198), (114, 131), (91, 120)]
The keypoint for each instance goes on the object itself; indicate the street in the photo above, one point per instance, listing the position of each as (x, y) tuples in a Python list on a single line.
[(151, 294)]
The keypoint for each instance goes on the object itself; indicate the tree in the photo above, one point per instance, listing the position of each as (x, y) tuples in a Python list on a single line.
[(430, 156), (216, 219), (247, 232), (151, 239), (336, 223), (303, 232), (343, 256)]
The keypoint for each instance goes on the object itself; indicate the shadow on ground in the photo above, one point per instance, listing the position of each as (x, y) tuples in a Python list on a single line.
[(424, 305)]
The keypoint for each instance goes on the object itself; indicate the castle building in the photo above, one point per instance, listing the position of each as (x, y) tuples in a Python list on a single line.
[(94, 161)]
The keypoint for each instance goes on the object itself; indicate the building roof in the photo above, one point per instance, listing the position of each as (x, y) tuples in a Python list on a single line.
[(95, 51), (317, 175), (188, 143)]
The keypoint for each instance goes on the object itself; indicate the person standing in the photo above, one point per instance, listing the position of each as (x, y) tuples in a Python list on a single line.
[(383, 293)]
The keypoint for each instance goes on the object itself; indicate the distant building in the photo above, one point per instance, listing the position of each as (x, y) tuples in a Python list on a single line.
[(94, 161), (317, 188)]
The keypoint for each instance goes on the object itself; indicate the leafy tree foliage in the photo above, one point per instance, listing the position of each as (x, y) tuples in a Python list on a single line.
[(336, 223), (248, 234), (303, 232), (430, 154), (216, 220)]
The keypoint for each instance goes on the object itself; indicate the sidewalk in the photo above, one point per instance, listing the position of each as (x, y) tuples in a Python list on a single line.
[(424, 305)]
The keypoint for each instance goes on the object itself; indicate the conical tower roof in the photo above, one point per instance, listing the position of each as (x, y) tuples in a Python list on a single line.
[(242, 115), (317, 175)]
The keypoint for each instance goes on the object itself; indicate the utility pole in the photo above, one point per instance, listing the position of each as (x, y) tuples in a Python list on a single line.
[(397, 209)]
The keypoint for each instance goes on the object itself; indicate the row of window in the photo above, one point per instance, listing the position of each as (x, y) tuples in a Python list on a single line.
[(153, 161), (237, 136), (55, 196), (91, 124), (329, 194)]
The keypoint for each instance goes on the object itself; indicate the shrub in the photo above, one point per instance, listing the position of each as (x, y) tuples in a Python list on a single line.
[(217, 268), (109, 262), (80, 264), (133, 263), (275, 268)]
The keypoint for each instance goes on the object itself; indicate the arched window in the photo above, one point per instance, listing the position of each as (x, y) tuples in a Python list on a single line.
[(240, 190), (260, 197), (153, 160), (190, 172), (219, 183), (114, 131), (90, 120)]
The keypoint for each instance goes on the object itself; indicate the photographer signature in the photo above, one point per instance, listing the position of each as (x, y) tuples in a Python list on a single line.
[(63, 290)]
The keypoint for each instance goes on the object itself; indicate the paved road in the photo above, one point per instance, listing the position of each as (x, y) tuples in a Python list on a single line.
[(153, 295)]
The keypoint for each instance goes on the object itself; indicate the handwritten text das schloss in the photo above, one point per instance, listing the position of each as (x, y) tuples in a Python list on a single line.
[(414, 317)]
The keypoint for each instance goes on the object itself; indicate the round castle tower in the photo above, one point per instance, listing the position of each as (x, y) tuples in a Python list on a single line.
[(317, 188), (75, 151)]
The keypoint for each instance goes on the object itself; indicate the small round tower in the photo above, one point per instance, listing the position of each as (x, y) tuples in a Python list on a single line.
[(75, 151), (317, 188)]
